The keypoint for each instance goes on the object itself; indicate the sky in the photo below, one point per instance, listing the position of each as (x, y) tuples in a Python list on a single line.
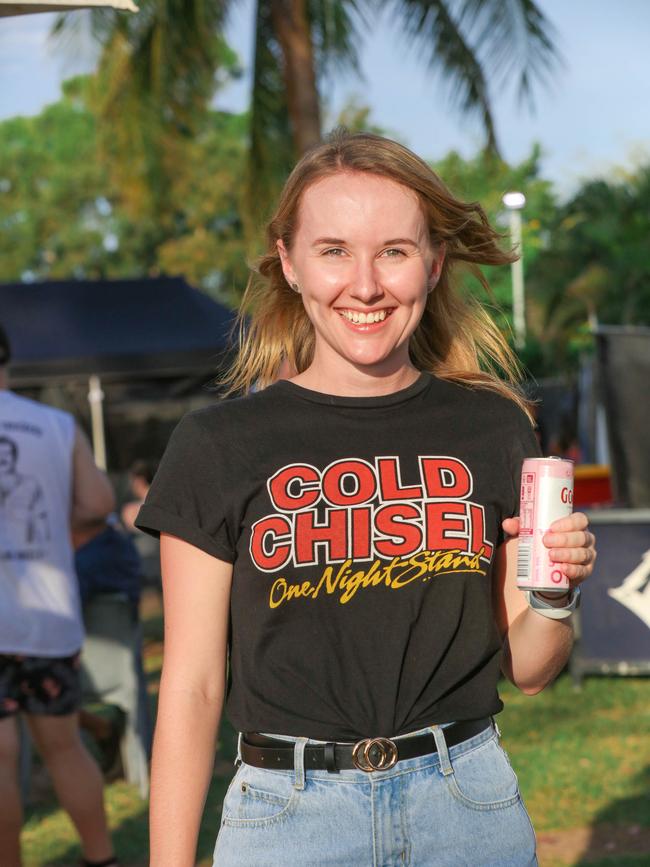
[(594, 117)]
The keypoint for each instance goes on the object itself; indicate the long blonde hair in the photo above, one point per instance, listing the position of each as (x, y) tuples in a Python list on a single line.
[(456, 338)]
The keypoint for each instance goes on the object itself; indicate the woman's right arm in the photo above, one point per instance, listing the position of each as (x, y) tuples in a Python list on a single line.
[(196, 591)]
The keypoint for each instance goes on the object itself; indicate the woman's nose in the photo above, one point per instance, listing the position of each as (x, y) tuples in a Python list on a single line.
[(364, 284)]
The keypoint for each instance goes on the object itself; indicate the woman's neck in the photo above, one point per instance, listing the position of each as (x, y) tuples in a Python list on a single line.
[(354, 382)]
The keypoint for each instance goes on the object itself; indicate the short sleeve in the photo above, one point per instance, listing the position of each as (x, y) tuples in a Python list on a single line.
[(186, 497)]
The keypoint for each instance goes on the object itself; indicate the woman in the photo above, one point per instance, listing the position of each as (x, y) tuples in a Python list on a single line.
[(348, 536)]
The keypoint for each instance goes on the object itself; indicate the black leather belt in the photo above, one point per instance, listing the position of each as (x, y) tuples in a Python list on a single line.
[(369, 754)]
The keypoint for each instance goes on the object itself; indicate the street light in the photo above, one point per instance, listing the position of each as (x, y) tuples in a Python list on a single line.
[(514, 202)]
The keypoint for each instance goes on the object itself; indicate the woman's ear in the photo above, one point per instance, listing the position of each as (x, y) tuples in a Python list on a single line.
[(438, 262), (287, 268)]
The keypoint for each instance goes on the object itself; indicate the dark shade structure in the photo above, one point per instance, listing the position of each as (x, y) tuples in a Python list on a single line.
[(126, 357), (623, 370), (119, 329)]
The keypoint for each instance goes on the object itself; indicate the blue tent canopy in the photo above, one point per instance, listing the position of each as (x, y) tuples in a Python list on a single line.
[(119, 329)]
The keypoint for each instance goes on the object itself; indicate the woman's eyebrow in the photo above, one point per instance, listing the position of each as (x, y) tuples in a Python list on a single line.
[(333, 241), (340, 242), (400, 241)]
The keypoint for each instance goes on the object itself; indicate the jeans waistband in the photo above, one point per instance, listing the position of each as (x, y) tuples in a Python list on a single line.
[(368, 754)]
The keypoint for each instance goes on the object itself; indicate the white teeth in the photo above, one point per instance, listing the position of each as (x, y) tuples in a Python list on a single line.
[(364, 318)]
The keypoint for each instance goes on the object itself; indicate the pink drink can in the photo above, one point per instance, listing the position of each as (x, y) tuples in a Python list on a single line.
[(546, 495)]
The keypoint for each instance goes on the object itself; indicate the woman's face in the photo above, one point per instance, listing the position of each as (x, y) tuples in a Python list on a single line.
[(363, 261)]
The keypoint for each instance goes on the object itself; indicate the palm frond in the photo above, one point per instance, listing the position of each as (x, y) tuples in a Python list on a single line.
[(173, 48), (271, 152), (515, 39), (476, 43), (444, 44), (336, 27)]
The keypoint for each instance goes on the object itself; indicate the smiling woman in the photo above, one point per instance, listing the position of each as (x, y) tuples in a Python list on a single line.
[(364, 232), (340, 537)]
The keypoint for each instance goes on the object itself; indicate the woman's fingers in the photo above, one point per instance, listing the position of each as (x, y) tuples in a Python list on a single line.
[(572, 522), (571, 545), (510, 526), (582, 555), (576, 539)]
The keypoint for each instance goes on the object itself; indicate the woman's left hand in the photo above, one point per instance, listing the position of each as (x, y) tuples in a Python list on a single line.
[(571, 545)]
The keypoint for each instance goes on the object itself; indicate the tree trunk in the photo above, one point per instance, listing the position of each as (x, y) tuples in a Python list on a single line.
[(291, 26)]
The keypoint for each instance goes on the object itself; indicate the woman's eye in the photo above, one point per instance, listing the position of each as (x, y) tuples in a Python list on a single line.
[(334, 251), (394, 252)]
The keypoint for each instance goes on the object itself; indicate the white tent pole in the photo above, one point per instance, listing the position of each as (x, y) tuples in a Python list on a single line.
[(96, 401)]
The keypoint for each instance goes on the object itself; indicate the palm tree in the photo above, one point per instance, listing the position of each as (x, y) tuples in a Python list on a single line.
[(165, 58), (471, 43)]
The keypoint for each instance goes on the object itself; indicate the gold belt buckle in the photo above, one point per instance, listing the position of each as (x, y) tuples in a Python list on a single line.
[(374, 754)]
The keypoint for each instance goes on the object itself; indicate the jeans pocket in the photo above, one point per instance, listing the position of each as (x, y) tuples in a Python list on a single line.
[(258, 797), (483, 778)]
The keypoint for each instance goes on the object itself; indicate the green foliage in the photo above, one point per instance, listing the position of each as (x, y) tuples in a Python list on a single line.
[(64, 215), (355, 116), (207, 245), (584, 261), (52, 222), (594, 266), (485, 178), (149, 98), (158, 70)]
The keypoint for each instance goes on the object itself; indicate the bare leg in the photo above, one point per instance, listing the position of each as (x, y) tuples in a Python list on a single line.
[(77, 780), (11, 813)]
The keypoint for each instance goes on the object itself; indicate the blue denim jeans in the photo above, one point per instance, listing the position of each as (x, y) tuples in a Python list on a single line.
[(459, 807)]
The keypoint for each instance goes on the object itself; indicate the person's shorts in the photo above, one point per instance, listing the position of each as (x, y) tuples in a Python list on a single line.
[(39, 685)]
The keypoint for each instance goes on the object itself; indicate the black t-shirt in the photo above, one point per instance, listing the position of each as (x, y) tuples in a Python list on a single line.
[(362, 533)]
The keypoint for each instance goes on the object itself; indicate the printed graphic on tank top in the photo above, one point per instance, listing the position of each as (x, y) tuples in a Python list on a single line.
[(23, 509), (39, 599)]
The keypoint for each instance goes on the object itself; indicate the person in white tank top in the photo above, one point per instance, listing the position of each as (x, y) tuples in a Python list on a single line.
[(49, 485)]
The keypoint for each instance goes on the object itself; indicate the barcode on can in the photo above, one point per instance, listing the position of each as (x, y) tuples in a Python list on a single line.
[(524, 562), (546, 495)]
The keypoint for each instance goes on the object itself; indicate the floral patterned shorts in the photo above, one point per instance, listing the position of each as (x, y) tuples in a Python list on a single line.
[(39, 685)]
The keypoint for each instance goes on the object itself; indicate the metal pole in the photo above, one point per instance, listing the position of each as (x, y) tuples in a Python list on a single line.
[(96, 401), (518, 297)]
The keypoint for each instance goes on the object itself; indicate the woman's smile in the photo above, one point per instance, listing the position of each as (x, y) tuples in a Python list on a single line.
[(362, 320)]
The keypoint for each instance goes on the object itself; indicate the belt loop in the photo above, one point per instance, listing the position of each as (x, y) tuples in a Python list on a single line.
[(443, 752), (299, 763), (329, 754), (238, 758)]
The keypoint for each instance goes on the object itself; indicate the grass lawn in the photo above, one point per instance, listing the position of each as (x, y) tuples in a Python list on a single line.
[(583, 760)]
